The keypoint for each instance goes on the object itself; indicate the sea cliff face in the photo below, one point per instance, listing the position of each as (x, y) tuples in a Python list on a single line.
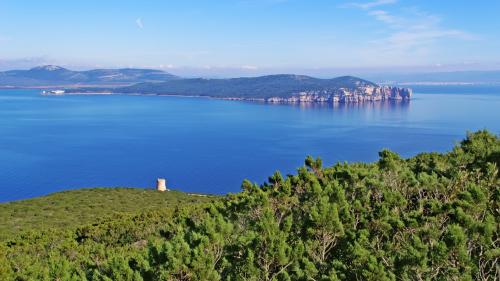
[(344, 95)]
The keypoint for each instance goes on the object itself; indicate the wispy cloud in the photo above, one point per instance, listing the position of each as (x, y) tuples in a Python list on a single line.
[(407, 33), (419, 30), (372, 4), (139, 23), (384, 16), (249, 67), (162, 66)]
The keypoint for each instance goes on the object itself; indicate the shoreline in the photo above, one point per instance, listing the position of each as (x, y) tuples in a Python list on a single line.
[(260, 100)]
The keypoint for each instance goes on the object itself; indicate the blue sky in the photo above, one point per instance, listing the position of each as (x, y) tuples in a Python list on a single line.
[(237, 36)]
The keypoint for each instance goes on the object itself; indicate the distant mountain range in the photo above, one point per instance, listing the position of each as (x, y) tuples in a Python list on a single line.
[(51, 75)]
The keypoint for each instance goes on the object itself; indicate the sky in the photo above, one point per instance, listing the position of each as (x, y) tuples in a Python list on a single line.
[(224, 37)]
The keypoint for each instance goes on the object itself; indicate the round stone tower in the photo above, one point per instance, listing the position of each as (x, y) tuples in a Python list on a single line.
[(161, 185)]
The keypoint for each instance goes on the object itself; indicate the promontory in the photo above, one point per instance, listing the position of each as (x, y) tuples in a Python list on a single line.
[(282, 88)]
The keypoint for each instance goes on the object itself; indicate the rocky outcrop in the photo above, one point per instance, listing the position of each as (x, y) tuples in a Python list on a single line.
[(345, 95)]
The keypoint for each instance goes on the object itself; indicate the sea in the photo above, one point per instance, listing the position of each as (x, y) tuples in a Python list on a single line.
[(55, 143)]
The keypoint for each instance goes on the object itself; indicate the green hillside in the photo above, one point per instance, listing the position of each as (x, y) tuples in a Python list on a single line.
[(72, 208), (282, 85), (435, 216)]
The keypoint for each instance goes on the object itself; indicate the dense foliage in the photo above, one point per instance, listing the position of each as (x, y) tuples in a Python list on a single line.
[(430, 217)]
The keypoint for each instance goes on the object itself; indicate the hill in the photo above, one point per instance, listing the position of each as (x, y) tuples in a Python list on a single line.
[(281, 85), (69, 209), (434, 216), (287, 88), (270, 88), (51, 75)]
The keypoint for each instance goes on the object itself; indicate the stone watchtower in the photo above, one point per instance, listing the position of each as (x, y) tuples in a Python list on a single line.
[(161, 185)]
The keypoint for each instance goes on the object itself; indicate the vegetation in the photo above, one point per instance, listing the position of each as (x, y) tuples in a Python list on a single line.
[(430, 217), (69, 209), (282, 85)]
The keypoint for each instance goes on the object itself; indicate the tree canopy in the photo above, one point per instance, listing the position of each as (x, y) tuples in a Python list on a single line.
[(434, 216)]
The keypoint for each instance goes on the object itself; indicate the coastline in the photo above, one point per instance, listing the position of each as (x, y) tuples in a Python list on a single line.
[(272, 100)]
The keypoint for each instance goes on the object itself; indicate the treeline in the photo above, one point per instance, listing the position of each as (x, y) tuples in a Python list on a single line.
[(430, 217)]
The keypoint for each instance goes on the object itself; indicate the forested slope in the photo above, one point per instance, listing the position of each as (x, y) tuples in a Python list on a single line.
[(430, 217)]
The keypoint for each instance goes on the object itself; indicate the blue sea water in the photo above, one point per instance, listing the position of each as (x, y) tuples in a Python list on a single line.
[(54, 143)]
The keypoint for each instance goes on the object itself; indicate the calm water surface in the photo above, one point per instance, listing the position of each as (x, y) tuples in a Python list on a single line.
[(53, 143)]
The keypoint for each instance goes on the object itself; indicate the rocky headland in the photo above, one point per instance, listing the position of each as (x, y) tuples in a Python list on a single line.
[(344, 95), (282, 88)]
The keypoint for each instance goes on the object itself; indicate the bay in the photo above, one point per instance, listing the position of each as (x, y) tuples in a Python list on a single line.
[(54, 143)]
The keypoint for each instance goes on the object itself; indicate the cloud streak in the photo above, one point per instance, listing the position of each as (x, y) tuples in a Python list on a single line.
[(139, 23), (373, 4), (384, 16), (409, 34)]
